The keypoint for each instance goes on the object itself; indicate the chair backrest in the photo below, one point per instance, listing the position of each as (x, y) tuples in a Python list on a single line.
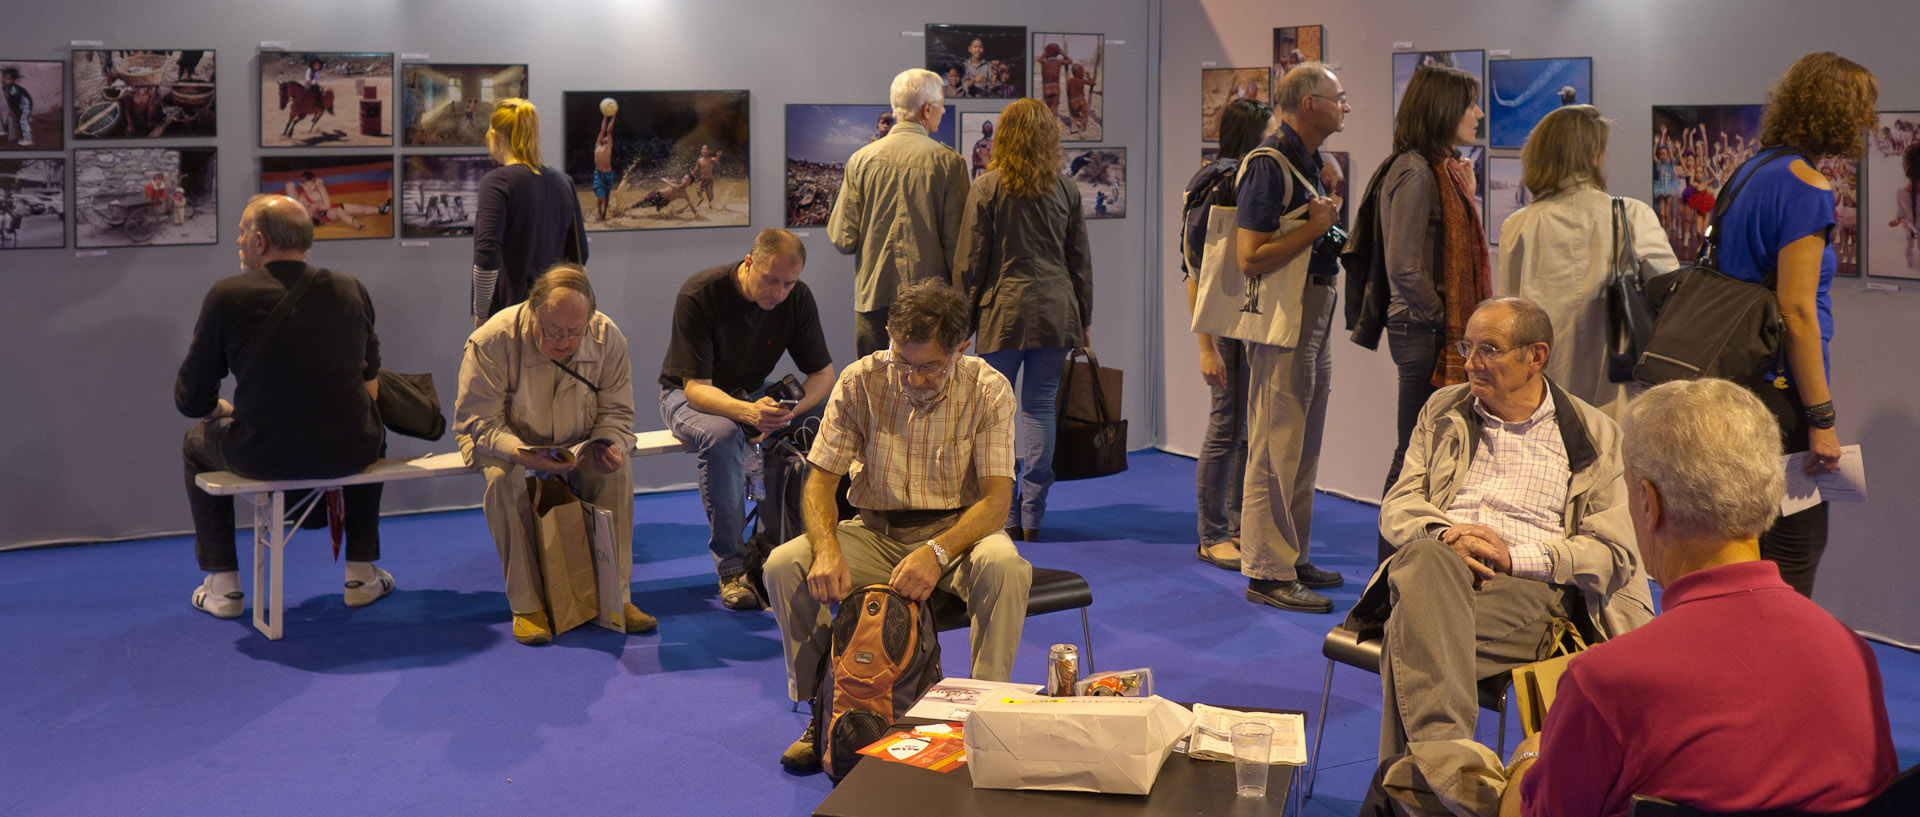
[(1900, 799)]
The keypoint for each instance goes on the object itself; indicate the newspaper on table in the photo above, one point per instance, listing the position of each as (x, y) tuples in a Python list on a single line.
[(954, 699), (1213, 725)]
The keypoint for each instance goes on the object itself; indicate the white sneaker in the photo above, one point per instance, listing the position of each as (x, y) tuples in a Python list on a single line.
[(363, 593), (229, 605)]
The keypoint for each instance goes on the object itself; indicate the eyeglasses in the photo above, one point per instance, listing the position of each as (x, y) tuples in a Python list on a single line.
[(929, 368), (1485, 351), (1338, 100), (550, 334)]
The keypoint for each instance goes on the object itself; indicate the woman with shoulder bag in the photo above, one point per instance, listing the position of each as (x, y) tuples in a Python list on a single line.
[(1558, 251), (1436, 246), (1025, 265), (1222, 466), (1779, 230)]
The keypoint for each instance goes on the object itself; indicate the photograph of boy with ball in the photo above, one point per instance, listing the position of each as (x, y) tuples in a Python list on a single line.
[(651, 160)]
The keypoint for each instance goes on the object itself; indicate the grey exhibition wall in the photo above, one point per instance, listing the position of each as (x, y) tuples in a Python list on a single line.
[(1644, 53), (93, 434)]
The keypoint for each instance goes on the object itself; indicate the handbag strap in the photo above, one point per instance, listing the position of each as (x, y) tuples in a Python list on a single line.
[(1282, 160), (1710, 240), (1100, 407), (1624, 264), (276, 317)]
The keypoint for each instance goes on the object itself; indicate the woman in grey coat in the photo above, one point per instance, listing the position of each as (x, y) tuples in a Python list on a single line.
[(1023, 262)]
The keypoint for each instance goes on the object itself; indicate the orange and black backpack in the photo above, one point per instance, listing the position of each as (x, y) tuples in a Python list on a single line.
[(885, 655)]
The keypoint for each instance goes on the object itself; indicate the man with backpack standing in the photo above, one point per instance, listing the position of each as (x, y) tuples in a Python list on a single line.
[(1288, 386), (931, 431)]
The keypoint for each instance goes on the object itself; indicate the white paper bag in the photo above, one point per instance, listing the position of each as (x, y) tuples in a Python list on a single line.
[(1111, 745), (1265, 309), (614, 595)]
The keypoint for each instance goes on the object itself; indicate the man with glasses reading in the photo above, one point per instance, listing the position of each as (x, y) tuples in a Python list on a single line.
[(1510, 512), (539, 380), (927, 435)]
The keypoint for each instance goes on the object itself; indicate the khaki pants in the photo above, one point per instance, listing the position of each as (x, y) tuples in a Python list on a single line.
[(510, 518), (1287, 392), (991, 576)]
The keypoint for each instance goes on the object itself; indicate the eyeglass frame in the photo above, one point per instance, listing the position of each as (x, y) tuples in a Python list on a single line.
[(927, 369), (1468, 351), (1337, 100), (548, 333)]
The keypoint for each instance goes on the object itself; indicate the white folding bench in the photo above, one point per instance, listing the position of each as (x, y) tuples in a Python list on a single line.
[(270, 532)]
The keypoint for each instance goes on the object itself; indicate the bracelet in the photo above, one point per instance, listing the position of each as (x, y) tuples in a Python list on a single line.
[(1519, 758), (1819, 416)]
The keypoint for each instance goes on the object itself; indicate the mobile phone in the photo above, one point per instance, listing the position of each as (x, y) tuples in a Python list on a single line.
[(789, 404)]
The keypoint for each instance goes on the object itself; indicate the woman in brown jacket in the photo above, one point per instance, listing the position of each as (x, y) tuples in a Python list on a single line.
[(1024, 264)]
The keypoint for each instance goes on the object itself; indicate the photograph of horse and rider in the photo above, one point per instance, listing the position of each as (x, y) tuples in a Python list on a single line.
[(310, 99)]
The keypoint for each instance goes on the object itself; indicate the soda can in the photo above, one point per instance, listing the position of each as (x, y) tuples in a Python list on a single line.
[(1063, 670)]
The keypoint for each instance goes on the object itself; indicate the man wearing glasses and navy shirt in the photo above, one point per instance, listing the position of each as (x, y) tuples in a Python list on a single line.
[(926, 433)]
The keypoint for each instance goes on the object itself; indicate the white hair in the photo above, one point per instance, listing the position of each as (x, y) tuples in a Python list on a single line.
[(1713, 451), (913, 89)]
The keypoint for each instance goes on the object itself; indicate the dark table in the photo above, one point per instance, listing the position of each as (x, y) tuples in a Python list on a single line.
[(879, 788)]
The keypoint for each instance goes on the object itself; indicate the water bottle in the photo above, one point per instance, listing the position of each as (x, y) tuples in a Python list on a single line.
[(756, 466)]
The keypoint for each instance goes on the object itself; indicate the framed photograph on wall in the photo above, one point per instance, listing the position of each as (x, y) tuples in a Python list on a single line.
[(1219, 86), (326, 99), (820, 139), (1102, 176), (1067, 76), (1505, 194), (32, 99), (1890, 217), (1694, 148), (143, 94), (1336, 167), (33, 203), (1472, 61), (1293, 45), (1520, 92), (656, 160), (1844, 174), (348, 196), (980, 62), (145, 197), (451, 104), (440, 193), (976, 140)]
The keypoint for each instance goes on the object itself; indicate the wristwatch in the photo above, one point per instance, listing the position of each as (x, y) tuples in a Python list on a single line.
[(940, 554)]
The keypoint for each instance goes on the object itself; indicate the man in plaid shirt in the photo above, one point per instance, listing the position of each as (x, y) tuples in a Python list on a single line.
[(1510, 512), (926, 433)]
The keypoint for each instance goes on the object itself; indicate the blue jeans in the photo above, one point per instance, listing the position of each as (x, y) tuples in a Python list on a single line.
[(1039, 390), (1415, 350), (1222, 470), (722, 451)]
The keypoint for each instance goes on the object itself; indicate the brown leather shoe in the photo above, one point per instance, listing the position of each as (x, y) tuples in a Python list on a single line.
[(637, 621), (1223, 555), (532, 628)]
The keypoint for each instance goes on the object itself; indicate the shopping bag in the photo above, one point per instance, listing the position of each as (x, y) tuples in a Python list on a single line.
[(566, 557), (1095, 446), (613, 594), (1534, 684), (1264, 309)]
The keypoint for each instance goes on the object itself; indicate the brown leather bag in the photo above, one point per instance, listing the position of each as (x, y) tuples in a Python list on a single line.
[(1090, 439)]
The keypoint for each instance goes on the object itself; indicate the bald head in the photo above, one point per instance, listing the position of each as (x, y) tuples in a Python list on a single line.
[(283, 221)]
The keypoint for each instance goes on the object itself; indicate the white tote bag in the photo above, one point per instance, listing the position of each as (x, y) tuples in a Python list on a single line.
[(1264, 309)]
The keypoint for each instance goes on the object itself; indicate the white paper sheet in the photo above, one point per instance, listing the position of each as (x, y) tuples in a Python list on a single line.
[(954, 699), (1848, 483), (1211, 725)]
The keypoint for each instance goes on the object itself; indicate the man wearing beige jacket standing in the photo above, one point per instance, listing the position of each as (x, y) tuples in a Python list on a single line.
[(551, 371)]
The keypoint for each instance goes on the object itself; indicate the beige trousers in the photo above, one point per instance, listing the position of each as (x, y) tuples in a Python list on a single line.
[(1287, 392), (991, 576), (510, 518)]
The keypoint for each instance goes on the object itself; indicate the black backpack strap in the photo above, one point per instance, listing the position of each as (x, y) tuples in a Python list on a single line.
[(274, 319), (1710, 241)]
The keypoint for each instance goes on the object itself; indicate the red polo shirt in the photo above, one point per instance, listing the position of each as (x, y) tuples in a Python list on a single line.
[(1742, 695)]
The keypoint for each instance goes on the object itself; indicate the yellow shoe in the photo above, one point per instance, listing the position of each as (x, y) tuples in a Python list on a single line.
[(638, 622), (532, 628)]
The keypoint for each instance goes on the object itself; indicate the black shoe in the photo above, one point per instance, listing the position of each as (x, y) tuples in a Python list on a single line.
[(1318, 579), (802, 756), (1287, 596), (1016, 534)]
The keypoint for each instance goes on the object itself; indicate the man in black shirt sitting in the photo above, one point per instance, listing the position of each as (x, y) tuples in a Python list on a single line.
[(304, 385), (731, 324)]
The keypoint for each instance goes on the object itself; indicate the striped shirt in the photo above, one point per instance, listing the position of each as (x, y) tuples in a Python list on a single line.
[(1517, 485), (905, 453)]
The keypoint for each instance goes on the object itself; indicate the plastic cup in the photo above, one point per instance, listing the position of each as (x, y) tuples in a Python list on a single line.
[(1252, 743)]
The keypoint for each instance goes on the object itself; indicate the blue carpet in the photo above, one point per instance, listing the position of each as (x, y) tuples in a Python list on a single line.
[(117, 698)]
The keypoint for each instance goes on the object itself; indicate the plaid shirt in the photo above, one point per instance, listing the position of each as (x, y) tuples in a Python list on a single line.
[(1517, 485), (904, 454)]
